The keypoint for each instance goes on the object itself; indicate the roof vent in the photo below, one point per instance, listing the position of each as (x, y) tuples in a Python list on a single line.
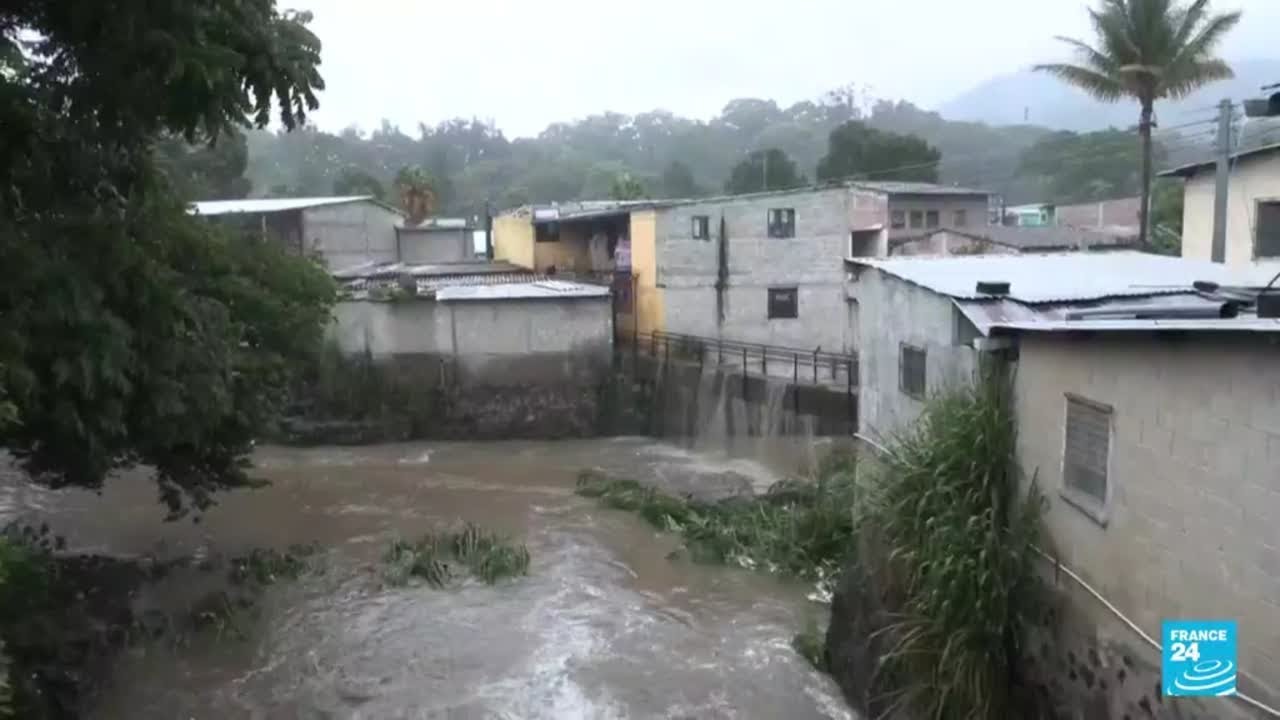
[(1269, 304), (987, 287)]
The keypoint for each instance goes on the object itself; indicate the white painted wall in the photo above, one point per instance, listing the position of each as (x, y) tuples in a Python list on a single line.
[(1193, 519), (890, 312), (1252, 179)]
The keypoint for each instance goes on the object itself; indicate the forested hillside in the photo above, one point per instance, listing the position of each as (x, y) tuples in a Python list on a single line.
[(471, 162)]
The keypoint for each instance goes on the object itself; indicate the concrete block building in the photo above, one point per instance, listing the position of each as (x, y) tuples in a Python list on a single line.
[(760, 268), (1148, 412)]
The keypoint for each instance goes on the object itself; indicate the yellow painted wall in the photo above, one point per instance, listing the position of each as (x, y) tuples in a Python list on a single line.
[(644, 270), (513, 239), (568, 254)]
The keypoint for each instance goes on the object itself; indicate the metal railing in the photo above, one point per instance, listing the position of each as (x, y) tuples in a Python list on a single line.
[(817, 367)]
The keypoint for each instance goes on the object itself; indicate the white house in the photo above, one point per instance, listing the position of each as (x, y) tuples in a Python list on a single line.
[(1253, 208)]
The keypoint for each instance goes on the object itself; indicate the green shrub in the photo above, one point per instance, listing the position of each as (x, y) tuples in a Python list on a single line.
[(800, 528), (433, 557), (953, 542)]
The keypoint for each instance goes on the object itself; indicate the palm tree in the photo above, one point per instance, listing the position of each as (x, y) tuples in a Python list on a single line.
[(1147, 50), (417, 193)]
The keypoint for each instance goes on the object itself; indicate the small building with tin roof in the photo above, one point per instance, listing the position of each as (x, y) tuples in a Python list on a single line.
[(1146, 394)]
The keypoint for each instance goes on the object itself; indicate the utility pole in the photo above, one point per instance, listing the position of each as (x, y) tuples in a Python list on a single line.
[(764, 174), (1218, 253)]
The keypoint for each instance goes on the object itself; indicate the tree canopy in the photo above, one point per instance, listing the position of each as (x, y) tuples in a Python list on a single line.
[(136, 333), (856, 150), (764, 170)]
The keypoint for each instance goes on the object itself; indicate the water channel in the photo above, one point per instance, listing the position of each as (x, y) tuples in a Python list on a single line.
[(606, 624)]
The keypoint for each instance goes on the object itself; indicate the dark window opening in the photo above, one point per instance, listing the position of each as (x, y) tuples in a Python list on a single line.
[(917, 218), (1267, 229), (898, 219), (931, 219), (1087, 447), (701, 227), (911, 371), (782, 222), (547, 232), (784, 303)]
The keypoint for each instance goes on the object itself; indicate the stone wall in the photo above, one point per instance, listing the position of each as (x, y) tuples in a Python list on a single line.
[(1190, 527)]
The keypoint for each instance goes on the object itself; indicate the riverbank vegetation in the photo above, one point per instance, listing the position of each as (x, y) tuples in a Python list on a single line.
[(439, 557), (945, 559), (800, 527), (64, 617)]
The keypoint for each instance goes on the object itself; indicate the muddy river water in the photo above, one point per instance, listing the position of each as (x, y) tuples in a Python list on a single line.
[(606, 625)]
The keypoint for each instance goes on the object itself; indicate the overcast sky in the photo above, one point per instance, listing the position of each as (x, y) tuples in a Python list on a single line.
[(524, 64)]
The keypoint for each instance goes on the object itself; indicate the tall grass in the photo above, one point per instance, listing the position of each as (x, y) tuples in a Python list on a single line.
[(358, 387), (438, 557), (800, 528), (948, 537)]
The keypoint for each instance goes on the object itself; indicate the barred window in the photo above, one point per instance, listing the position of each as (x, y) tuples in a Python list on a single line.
[(701, 227), (1087, 448)]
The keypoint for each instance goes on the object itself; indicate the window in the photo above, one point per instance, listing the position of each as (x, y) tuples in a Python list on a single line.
[(898, 219), (1267, 229), (701, 227), (931, 219), (783, 303), (917, 219), (1085, 453), (960, 218), (782, 222), (911, 371), (547, 232)]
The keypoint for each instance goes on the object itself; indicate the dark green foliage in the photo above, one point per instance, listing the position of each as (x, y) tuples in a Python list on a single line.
[(1166, 217), (354, 181), (678, 181), (1078, 167), (800, 528), (949, 538), (206, 170), (134, 333), (437, 557), (625, 186), (266, 566), (855, 150), (764, 170), (356, 388)]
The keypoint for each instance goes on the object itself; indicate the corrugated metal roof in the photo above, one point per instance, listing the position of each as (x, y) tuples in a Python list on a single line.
[(895, 187), (435, 223), (522, 291), (1002, 313), (255, 206), (1237, 324), (1192, 168), (1062, 277), (479, 268)]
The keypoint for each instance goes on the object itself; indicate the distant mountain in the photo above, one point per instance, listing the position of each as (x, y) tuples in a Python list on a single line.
[(1036, 98)]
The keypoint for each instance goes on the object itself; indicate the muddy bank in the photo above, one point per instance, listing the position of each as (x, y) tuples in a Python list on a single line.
[(66, 618)]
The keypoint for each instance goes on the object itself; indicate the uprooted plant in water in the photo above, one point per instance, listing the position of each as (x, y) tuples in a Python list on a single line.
[(439, 557), (799, 527)]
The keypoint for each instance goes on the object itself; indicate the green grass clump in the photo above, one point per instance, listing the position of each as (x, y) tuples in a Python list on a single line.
[(949, 542), (266, 566), (437, 557), (812, 646), (800, 528)]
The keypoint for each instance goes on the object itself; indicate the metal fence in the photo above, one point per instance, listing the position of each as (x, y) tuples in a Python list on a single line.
[(815, 366)]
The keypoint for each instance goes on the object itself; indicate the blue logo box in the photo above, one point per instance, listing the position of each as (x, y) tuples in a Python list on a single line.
[(1199, 657)]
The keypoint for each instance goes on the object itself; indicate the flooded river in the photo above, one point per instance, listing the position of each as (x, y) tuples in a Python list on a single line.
[(604, 626)]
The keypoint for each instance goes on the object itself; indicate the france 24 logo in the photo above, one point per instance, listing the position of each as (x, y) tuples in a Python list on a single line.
[(1199, 657)]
